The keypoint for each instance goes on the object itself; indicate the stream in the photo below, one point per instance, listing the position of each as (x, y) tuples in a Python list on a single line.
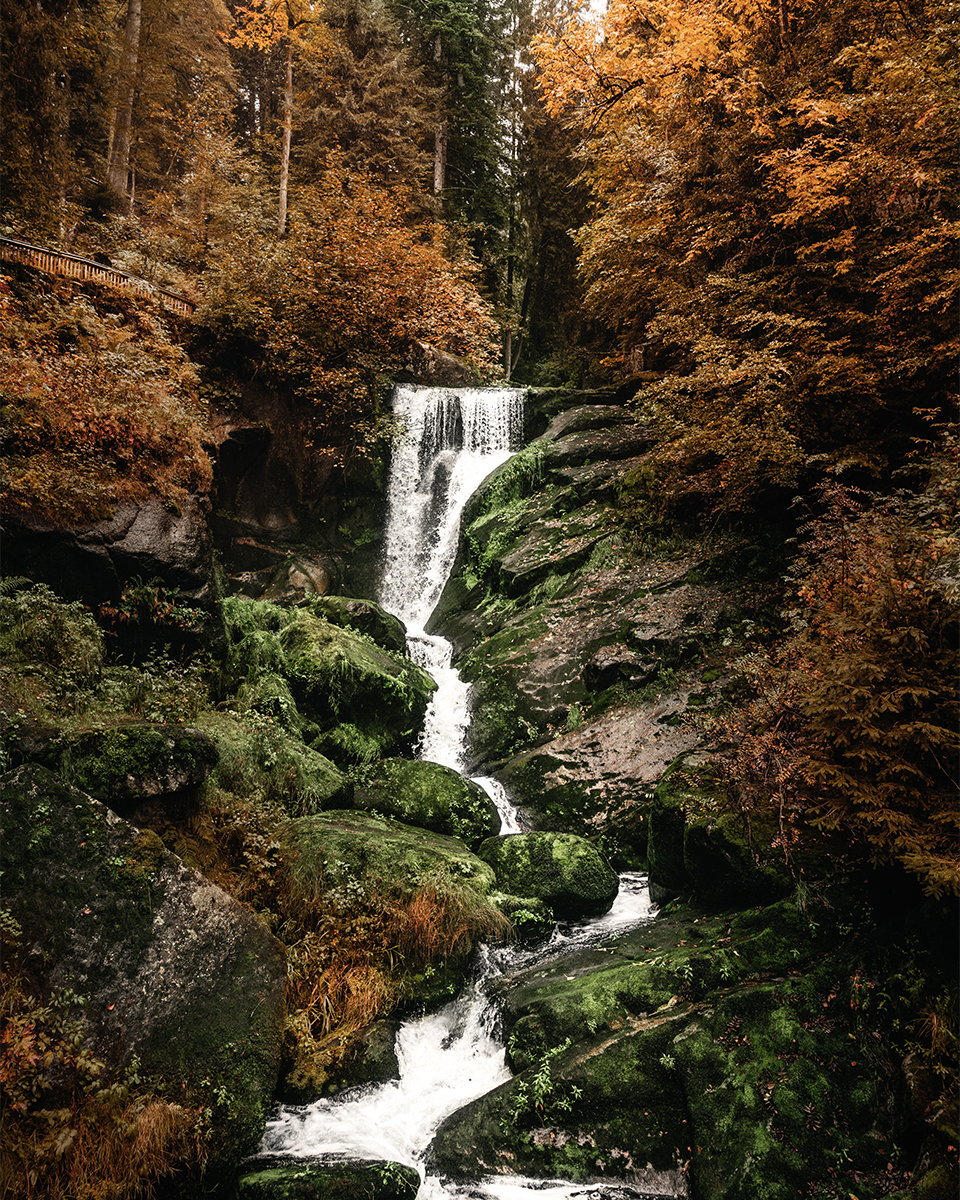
[(454, 439)]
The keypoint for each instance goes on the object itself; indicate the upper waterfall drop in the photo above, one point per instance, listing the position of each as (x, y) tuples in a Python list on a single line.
[(452, 439)]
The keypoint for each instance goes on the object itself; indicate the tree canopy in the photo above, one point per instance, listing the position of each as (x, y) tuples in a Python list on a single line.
[(773, 228)]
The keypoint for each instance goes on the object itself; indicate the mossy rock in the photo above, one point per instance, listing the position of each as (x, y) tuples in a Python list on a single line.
[(357, 854), (564, 871), (364, 617), (258, 759), (340, 677), (286, 1178), (125, 763), (780, 1081), (172, 969), (269, 694), (695, 846), (431, 796), (782, 1092), (603, 1107), (723, 867)]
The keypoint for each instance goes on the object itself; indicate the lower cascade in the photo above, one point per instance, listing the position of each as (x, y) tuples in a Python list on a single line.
[(453, 439)]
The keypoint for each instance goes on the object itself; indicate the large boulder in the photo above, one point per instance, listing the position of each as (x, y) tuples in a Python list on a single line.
[(604, 1109), (342, 680), (95, 562), (430, 796), (363, 616), (288, 1178), (173, 971), (138, 768), (357, 852), (561, 869), (716, 1055), (261, 761), (695, 846), (336, 687)]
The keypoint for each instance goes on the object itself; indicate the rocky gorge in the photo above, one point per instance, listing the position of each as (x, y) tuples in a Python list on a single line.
[(226, 881)]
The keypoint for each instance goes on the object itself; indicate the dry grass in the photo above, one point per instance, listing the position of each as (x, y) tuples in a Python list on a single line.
[(348, 969), (99, 1150)]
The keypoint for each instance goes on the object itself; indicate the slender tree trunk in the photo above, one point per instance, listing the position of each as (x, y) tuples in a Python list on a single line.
[(118, 164), (439, 137), (440, 159), (287, 136)]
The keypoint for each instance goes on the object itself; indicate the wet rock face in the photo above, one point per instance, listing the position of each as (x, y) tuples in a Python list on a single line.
[(561, 869), (173, 970), (583, 655), (602, 774), (95, 562)]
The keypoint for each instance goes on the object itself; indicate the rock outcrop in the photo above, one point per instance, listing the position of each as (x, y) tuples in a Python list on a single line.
[(94, 563)]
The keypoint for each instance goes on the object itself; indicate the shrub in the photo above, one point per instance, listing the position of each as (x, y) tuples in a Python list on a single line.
[(852, 726), (72, 1129)]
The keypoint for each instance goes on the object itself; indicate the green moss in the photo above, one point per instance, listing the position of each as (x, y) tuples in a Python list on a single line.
[(269, 694), (136, 759), (340, 677), (564, 871), (259, 759), (300, 1180), (356, 853), (432, 797)]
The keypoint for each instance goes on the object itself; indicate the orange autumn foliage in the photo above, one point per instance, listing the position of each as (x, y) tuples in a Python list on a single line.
[(774, 230), (96, 414), (334, 307)]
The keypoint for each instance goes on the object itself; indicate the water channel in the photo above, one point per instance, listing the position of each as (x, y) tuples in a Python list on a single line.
[(454, 439)]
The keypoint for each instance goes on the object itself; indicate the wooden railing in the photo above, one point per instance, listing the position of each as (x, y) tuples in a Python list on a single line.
[(55, 262)]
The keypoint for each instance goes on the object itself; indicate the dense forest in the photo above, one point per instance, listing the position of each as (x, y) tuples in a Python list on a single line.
[(737, 218)]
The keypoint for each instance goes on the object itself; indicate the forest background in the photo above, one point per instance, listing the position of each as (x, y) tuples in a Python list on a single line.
[(741, 215)]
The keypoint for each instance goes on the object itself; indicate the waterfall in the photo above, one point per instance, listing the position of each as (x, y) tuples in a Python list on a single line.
[(454, 438)]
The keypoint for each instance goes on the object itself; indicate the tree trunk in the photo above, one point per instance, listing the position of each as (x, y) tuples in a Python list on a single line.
[(439, 137), (287, 136), (118, 164), (440, 159)]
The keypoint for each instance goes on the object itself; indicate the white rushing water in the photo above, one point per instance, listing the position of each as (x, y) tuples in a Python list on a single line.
[(454, 439), (447, 1059)]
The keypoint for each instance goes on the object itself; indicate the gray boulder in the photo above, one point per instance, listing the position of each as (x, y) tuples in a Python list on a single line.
[(94, 562), (172, 969)]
